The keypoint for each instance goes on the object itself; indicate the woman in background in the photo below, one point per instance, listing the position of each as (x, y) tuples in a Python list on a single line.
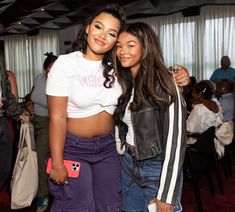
[(41, 128), (82, 94), (206, 111)]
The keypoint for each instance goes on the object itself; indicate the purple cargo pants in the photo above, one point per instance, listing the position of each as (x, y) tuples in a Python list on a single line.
[(98, 187)]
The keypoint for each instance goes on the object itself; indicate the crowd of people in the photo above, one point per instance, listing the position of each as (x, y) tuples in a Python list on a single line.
[(112, 109)]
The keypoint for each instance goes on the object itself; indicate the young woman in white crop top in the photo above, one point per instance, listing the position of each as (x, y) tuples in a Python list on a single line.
[(82, 95)]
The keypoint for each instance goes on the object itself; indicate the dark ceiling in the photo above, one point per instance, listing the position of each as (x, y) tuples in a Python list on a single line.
[(28, 16)]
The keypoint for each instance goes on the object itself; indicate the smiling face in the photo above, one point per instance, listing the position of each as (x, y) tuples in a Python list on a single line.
[(102, 34), (129, 52)]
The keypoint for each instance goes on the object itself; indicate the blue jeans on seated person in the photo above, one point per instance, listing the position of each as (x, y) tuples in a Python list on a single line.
[(140, 181)]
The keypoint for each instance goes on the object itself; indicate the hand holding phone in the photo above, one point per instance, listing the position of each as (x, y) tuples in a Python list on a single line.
[(73, 167)]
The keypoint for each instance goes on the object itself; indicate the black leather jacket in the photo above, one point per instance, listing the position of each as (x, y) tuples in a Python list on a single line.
[(147, 126), (161, 135)]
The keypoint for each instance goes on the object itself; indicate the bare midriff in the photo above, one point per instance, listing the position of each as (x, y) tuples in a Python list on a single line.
[(100, 124)]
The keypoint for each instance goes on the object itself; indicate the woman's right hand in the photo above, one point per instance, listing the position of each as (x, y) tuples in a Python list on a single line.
[(162, 206), (59, 175)]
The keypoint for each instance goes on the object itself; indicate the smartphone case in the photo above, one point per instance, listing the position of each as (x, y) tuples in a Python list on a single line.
[(73, 167)]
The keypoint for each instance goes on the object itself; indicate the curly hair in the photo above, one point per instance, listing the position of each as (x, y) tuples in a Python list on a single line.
[(80, 44)]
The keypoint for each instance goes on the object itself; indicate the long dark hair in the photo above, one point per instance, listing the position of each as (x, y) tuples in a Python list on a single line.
[(152, 74), (80, 44)]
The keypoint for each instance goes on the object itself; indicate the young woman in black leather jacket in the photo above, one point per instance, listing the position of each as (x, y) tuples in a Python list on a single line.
[(151, 119)]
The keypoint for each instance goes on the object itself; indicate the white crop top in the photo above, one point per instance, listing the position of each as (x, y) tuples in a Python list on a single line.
[(82, 81)]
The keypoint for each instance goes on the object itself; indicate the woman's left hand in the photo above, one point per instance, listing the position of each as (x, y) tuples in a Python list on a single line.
[(181, 75)]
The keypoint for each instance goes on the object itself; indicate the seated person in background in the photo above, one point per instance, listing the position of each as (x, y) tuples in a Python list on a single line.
[(224, 133), (206, 111), (225, 95), (212, 84), (225, 71)]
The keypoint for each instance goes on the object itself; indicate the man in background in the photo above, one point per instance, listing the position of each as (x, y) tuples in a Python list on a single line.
[(225, 71)]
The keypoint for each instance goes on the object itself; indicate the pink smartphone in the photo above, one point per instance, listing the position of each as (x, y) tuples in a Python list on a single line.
[(73, 167)]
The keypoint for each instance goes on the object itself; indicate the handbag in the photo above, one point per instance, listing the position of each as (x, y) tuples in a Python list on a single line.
[(24, 183)]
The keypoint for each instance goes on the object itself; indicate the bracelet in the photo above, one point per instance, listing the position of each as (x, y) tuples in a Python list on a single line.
[(58, 167)]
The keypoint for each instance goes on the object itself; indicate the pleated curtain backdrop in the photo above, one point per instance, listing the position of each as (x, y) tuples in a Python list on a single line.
[(24, 55), (197, 42)]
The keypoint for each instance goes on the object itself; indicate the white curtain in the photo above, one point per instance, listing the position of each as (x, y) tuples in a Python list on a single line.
[(197, 42), (24, 55)]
